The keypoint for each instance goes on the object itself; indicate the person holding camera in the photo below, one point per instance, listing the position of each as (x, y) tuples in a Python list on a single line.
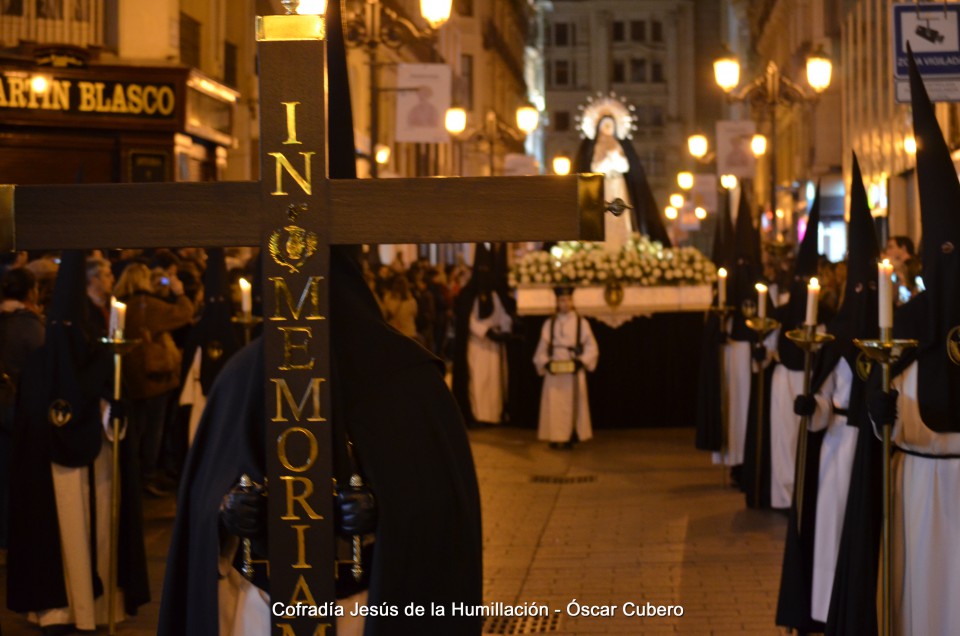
[(567, 349)]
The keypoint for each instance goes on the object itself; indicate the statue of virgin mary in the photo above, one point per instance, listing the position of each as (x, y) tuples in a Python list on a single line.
[(606, 126)]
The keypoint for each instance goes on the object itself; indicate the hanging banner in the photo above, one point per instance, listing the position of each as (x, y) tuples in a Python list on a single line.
[(933, 32), (423, 97), (733, 148)]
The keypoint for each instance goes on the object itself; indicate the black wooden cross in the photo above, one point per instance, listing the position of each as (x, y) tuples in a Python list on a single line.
[(294, 212)]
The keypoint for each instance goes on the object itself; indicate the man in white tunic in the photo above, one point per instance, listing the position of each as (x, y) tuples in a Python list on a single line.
[(566, 351), (926, 516)]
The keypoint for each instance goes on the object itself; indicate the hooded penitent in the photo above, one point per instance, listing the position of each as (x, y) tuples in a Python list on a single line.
[(939, 191), (857, 318), (214, 334), (388, 394), (646, 214), (723, 237), (744, 273), (792, 315), (58, 420)]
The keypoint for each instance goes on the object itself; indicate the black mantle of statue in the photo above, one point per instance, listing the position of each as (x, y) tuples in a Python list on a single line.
[(646, 376)]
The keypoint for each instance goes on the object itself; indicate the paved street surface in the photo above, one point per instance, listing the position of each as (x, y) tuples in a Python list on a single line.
[(634, 516)]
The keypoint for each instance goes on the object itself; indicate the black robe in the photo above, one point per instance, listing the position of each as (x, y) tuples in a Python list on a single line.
[(410, 441), (34, 564)]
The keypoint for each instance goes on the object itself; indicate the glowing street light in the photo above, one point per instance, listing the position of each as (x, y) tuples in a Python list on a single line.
[(728, 181), (561, 165), (676, 200), (700, 213), (819, 70), (726, 72), (758, 144), (671, 212), (698, 145), (685, 180), (436, 12), (527, 119)]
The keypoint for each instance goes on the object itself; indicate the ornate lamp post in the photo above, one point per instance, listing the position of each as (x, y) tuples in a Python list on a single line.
[(770, 90), (378, 25), (455, 121)]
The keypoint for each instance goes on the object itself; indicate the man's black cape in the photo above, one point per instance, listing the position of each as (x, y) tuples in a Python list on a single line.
[(410, 440)]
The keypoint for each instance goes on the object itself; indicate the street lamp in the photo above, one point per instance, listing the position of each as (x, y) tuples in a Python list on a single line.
[(770, 90), (685, 180), (561, 165), (455, 121), (698, 145), (379, 25), (758, 144)]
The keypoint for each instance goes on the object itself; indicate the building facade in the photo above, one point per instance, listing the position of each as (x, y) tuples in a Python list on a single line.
[(638, 49), (107, 90)]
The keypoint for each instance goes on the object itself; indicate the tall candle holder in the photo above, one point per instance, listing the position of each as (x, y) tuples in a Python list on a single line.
[(886, 350), (248, 322), (120, 347), (762, 327), (810, 342), (723, 312)]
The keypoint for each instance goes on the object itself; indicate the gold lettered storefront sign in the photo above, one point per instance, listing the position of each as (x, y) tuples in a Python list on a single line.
[(22, 91)]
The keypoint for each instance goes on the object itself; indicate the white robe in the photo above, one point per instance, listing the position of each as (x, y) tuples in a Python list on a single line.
[(244, 609), (192, 395), (739, 368), (836, 465), (487, 362), (557, 397), (926, 522), (71, 489), (616, 229)]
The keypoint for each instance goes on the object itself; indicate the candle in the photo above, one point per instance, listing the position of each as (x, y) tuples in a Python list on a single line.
[(721, 287), (246, 297), (813, 295), (118, 318), (885, 289), (761, 301)]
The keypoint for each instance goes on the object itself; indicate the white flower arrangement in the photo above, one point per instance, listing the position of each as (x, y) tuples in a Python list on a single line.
[(639, 262)]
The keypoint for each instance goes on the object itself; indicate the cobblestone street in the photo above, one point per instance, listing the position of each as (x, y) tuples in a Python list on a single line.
[(632, 516)]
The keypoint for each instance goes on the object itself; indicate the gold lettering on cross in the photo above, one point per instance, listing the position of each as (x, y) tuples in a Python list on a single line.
[(282, 449), (301, 563), (292, 498), (311, 290), (291, 122), (305, 183), (289, 346), (284, 394)]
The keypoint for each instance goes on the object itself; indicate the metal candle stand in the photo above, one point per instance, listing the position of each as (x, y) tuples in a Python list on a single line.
[(120, 347), (810, 342), (248, 322), (722, 313), (886, 351), (762, 327)]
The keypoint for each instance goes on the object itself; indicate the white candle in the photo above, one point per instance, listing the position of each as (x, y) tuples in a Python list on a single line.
[(721, 287), (761, 301), (118, 318), (813, 295), (885, 289), (246, 297)]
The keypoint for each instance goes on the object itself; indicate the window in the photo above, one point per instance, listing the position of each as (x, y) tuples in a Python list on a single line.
[(618, 32), (561, 121), (466, 81), (561, 73), (638, 30), (618, 73), (656, 31), (50, 9), (561, 34), (638, 71), (189, 41), (657, 72), (11, 7), (229, 63)]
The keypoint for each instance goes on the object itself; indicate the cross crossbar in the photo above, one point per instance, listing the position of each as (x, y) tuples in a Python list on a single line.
[(228, 214)]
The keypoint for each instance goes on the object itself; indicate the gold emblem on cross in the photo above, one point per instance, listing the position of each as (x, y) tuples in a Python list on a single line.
[(864, 366)]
